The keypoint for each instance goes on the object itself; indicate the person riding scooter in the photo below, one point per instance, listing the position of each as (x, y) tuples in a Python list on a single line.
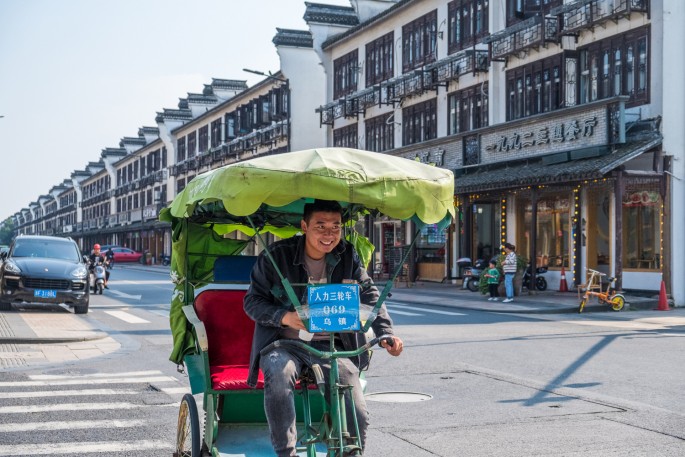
[(96, 256)]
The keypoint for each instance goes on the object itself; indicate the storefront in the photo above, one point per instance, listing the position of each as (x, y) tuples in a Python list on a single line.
[(600, 207)]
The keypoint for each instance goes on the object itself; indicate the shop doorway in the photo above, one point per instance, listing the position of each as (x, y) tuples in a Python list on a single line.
[(485, 220), (595, 230)]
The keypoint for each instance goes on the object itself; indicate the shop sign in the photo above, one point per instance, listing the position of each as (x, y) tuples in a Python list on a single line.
[(436, 158), (559, 132), (641, 198), (149, 212)]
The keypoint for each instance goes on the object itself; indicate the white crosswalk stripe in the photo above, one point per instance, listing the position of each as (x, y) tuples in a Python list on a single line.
[(47, 416)]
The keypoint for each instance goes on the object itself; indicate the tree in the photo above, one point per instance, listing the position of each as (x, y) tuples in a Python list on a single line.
[(6, 231)]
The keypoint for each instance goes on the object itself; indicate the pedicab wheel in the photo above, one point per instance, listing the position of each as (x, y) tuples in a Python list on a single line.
[(188, 432), (582, 305), (617, 302)]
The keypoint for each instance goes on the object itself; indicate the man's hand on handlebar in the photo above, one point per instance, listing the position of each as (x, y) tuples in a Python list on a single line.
[(392, 344), (292, 319)]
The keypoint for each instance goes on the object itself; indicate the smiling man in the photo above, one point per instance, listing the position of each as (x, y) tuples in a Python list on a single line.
[(320, 255)]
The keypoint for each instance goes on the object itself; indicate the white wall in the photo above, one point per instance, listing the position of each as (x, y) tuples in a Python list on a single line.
[(307, 89), (673, 101)]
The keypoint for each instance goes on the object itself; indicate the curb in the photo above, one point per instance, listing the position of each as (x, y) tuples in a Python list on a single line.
[(51, 340)]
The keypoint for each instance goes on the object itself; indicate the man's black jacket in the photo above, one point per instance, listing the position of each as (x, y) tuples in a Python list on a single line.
[(266, 301)]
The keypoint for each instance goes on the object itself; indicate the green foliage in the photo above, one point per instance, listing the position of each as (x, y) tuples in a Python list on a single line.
[(6, 231)]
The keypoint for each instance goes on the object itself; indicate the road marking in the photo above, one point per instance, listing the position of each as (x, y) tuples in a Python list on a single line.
[(83, 448), (403, 313), (128, 374), (160, 312), (66, 425), (71, 382), (67, 393), (22, 409), (425, 310), (123, 295), (127, 317)]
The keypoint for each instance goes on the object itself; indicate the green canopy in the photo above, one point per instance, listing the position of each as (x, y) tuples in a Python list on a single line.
[(396, 187), (272, 191)]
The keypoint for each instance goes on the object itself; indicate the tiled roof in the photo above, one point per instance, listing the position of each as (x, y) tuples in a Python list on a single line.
[(289, 37), (365, 24), (540, 170), (330, 14), (148, 130), (177, 114), (202, 99), (232, 84)]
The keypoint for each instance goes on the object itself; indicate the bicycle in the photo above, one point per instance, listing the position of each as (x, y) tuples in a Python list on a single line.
[(593, 288)]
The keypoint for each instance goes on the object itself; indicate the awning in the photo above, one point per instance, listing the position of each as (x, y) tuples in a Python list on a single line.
[(569, 166)]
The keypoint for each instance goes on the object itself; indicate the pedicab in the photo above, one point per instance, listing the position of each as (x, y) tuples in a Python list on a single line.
[(213, 220)]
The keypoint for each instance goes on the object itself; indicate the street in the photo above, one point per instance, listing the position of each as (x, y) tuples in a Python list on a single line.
[(492, 384)]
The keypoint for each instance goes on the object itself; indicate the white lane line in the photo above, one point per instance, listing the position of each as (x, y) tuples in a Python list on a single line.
[(160, 312), (124, 374), (127, 317), (23, 409), (71, 382), (69, 425), (143, 282), (175, 390), (123, 295), (403, 313), (67, 393), (110, 448), (425, 310)]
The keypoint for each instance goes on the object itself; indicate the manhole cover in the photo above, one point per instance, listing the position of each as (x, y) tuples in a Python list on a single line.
[(398, 397)]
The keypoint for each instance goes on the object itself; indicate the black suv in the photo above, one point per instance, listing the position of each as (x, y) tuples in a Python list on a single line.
[(44, 269)]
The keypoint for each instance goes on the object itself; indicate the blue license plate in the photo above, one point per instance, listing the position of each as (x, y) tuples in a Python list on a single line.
[(42, 293)]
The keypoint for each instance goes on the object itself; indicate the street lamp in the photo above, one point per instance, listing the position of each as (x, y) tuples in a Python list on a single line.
[(268, 75)]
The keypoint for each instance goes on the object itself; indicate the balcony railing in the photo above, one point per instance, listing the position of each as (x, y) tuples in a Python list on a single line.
[(456, 65), (531, 33), (586, 14)]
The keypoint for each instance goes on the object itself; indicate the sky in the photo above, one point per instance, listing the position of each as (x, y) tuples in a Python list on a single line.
[(77, 76)]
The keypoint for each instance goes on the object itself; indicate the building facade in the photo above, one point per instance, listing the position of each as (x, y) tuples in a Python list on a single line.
[(552, 114)]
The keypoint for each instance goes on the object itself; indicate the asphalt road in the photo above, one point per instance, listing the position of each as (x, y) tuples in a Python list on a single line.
[(470, 383)]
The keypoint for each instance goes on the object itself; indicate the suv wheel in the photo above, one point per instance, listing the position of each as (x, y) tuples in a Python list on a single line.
[(81, 309), (5, 306)]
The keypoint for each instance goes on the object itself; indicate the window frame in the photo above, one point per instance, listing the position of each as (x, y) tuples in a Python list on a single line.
[(419, 122), (419, 41), (379, 133), (345, 74), (380, 57)]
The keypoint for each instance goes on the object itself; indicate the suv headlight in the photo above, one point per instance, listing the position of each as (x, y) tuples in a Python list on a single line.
[(80, 272), (11, 267)]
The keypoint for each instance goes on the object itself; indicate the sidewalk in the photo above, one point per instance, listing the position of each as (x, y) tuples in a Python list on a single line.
[(540, 302)]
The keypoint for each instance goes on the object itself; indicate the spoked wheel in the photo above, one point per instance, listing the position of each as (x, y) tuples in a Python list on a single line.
[(617, 302), (188, 433), (582, 305)]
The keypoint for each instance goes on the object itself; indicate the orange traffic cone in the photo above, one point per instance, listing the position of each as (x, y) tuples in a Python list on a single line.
[(563, 285), (663, 302)]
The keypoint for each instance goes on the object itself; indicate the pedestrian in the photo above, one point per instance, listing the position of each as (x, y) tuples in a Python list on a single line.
[(493, 280), (509, 267), (318, 256)]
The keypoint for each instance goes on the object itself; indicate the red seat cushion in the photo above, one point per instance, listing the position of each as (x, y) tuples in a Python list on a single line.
[(232, 377), (229, 331)]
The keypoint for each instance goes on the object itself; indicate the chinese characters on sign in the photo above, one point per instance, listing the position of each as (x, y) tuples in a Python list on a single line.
[(436, 158), (333, 307), (557, 133)]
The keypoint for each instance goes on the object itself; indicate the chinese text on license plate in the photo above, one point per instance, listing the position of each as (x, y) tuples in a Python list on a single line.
[(45, 293), (333, 307)]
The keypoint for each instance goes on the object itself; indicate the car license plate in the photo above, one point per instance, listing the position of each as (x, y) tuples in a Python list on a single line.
[(42, 293)]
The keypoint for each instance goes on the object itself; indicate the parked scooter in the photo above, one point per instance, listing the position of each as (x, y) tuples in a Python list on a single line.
[(540, 281), (472, 275), (165, 260), (97, 277)]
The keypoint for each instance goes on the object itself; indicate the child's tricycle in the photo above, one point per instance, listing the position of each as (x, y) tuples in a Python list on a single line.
[(213, 220)]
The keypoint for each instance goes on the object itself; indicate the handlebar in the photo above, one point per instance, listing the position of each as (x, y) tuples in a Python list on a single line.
[(327, 355), (596, 272)]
